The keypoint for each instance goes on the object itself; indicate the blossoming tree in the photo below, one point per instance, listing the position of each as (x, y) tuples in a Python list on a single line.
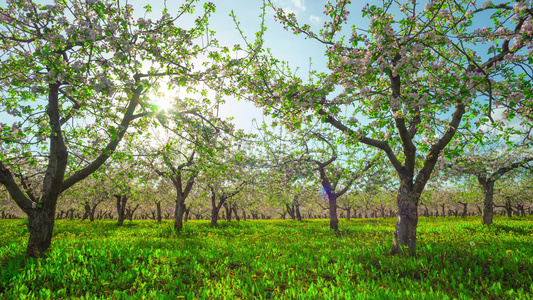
[(410, 78), (488, 166), (74, 75)]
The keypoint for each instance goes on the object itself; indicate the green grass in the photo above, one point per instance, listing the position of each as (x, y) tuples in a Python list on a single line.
[(270, 260)]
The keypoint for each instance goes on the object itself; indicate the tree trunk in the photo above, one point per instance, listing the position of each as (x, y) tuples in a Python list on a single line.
[(92, 212), (215, 208), (464, 204), (87, 208), (229, 210), (178, 212), (296, 207), (121, 207), (297, 212), (348, 211), (186, 216), (333, 220), (405, 232), (40, 226), (130, 211), (235, 213), (290, 211), (214, 216), (509, 209), (443, 212), (488, 204), (520, 209), (158, 208)]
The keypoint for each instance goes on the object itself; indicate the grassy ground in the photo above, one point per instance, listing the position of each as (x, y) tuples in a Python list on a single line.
[(457, 258)]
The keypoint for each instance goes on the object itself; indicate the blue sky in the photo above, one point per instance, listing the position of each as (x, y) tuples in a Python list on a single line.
[(284, 44)]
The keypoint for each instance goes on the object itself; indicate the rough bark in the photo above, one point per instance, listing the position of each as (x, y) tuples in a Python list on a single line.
[(178, 212), (236, 214), (186, 215), (214, 216), (121, 207), (464, 204), (158, 208), (182, 192), (487, 213), (333, 220), (508, 208), (215, 208), (40, 226), (407, 222), (290, 211), (229, 211), (131, 211), (87, 208), (367, 214), (297, 208), (222, 198)]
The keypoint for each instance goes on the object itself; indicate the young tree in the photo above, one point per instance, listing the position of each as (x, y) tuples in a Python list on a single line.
[(488, 165), (406, 74), (331, 175), (227, 174), (74, 75)]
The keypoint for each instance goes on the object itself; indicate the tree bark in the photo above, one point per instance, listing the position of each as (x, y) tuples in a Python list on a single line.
[(488, 202), (229, 210), (158, 208), (178, 212), (186, 216), (509, 209), (222, 200), (121, 207), (130, 211), (520, 210), (215, 209), (407, 222), (297, 208), (214, 216), (87, 212), (40, 226), (333, 219), (92, 212), (235, 213), (464, 204), (290, 211)]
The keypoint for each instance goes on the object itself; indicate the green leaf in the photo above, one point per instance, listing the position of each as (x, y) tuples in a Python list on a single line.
[(113, 132)]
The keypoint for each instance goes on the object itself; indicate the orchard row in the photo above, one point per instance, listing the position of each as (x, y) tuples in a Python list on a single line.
[(425, 100)]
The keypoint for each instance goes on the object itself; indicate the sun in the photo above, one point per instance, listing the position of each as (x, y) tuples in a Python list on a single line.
[(163, 103)]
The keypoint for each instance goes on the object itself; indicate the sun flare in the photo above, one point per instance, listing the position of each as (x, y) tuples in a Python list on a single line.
[(163, 103)]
